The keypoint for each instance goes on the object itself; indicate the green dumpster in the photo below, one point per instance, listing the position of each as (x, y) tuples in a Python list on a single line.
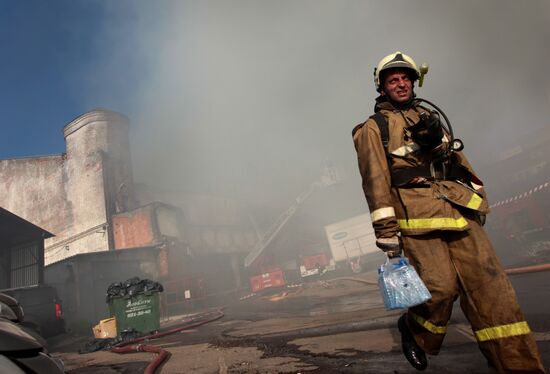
[(139, 312)]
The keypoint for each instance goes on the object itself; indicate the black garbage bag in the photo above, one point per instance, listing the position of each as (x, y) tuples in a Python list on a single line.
[(129, 334), (132, 287), (149, 285), (94, 344)]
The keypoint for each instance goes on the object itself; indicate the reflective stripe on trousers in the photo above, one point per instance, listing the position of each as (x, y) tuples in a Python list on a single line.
[(434, 329), (503, 331), (463, 264), (489, 333)]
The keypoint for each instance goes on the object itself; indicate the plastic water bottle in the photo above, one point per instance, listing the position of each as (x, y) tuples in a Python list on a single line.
[(400, 285)]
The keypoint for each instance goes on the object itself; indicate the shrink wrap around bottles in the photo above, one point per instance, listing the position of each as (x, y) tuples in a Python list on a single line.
[(400, 285)]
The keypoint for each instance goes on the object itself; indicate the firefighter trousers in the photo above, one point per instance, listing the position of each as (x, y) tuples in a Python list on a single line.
[(463, 264)]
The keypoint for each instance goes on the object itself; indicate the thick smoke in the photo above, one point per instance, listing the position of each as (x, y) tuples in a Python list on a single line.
[(249, 99)]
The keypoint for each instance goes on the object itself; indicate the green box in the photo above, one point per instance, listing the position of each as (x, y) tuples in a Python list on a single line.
[(140, 312)]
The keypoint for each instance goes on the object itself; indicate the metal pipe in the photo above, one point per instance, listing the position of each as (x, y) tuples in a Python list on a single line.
[(528, 269)]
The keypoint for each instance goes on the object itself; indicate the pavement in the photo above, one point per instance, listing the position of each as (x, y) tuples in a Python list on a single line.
[(323, 326)]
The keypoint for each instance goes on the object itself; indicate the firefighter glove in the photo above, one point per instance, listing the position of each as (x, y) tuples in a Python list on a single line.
[(391, 246)]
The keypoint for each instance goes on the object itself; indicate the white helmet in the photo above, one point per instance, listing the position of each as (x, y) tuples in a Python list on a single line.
[(395, 60)]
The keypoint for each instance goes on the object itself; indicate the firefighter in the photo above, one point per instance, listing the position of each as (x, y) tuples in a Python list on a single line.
[(426, 201)]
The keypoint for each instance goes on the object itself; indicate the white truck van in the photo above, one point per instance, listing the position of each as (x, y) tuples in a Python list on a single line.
[(352, 243)]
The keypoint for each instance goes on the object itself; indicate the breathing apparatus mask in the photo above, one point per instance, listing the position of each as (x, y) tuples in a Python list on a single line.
[(428, 131), (431, 129)]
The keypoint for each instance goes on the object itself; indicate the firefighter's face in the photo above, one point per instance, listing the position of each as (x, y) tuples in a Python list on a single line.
[(398, 86)]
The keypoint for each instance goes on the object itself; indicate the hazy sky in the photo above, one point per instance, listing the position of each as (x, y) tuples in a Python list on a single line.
[(250, 98)]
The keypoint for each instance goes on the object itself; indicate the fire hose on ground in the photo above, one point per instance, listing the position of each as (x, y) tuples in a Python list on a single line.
[(162, 355), (131, 346), (528, 269), (153, 365)]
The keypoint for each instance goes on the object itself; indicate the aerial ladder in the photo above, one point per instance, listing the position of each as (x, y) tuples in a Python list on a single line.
[(253, 259)]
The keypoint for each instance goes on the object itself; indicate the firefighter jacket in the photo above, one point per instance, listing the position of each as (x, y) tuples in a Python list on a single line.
[(411, 209)]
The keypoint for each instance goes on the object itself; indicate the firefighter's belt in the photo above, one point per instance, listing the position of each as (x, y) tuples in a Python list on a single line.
[(401, 177)]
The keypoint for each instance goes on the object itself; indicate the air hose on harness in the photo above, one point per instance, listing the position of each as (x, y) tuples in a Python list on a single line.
[(438, 122), (455, 145)]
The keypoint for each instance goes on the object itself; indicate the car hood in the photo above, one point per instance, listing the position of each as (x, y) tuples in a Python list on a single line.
[(14, 338)]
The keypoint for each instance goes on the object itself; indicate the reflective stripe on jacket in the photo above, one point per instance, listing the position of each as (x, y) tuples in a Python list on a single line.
[(418, 209)]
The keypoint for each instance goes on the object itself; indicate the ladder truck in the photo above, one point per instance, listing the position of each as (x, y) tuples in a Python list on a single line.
[(269, 275)]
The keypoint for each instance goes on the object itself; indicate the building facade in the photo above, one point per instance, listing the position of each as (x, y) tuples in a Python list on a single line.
[(87, 198), (75, 194)]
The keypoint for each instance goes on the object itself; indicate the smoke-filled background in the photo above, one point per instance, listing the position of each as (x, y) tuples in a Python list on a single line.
[(249, 99)]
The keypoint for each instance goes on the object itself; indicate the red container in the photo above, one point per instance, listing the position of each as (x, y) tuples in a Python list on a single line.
[(267, 280), (312, 262)]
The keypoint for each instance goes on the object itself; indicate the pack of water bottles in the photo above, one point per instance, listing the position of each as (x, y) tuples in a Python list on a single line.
[(400, 285)]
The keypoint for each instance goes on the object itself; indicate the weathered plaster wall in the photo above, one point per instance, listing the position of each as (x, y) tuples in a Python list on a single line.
[(74, 195), (33, 188)]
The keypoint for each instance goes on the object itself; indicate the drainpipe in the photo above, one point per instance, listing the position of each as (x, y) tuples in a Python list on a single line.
[(106, 173)]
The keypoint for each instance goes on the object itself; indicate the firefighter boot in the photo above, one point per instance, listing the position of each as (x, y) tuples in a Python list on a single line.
[(413, 353)]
